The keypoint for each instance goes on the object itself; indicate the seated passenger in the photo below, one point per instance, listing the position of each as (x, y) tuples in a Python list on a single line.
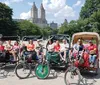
[(78, 48), (31, 50), (50, 46), (1, 46), (9, 48), (64, 49), (57, 48), (92, 51), (2, 49), (16, 48)]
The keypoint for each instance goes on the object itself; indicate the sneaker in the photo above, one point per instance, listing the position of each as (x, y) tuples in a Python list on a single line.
[(91, 65)]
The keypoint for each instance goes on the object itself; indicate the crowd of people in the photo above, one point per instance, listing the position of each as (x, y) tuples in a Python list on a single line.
[(7, 49), (79, 48), (61, 47)]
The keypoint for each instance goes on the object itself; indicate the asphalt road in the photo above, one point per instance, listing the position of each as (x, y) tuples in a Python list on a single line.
[(11, 79)]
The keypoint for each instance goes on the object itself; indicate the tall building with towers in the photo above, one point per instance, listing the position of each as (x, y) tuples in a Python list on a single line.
[(38, 16)]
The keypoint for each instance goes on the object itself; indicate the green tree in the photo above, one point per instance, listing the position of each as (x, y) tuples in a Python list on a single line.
[(28, 28), (63, 29), (95, 22), (47, 31), (89, 8), (7, 25)]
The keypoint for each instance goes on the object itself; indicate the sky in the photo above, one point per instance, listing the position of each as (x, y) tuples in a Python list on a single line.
[(56, 10)]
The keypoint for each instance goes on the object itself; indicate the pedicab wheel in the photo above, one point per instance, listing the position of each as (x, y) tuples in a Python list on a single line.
[(42, 71), (72, 76), (23, 70)]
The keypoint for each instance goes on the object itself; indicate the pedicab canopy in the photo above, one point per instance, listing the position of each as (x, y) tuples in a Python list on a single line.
[(34, 38), (85, 36), (5, 38), (60, 37)]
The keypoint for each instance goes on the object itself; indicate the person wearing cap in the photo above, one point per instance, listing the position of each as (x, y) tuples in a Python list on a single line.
[(38, 49), (92, 48)]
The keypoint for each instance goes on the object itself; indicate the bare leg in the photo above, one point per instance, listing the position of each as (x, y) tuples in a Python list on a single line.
[(14, 55), (61, 56), (64, 55)]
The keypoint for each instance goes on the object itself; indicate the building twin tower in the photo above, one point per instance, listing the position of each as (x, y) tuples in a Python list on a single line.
[(40, 21), (34, 12)]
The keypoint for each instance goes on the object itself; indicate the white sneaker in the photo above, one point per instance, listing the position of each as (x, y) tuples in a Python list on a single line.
[(91, 65)]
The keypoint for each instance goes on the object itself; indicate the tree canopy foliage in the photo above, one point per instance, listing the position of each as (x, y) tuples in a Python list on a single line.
[(88, 21), (7, 25), (27, 28), (89, 8)]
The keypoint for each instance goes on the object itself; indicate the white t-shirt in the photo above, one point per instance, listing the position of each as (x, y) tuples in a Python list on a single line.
[(64, 47), (50, 47)]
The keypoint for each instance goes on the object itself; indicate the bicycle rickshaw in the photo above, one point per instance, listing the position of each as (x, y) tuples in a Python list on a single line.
[(24, 68), (7, 59), (94, 37), (53, 59), (82, 64)]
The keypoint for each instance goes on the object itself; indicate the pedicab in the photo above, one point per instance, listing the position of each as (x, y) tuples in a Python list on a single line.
[(80, 63), (9, 59), (6, 58), (94, 37), (28, 62), (52, 59)]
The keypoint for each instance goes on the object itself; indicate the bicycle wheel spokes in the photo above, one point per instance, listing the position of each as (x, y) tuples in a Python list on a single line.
[(42, 71), (72, 77), (23, 71)]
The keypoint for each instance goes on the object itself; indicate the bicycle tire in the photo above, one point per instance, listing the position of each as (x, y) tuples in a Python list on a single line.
[(19, 75), (42, 74), (78, 73)]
